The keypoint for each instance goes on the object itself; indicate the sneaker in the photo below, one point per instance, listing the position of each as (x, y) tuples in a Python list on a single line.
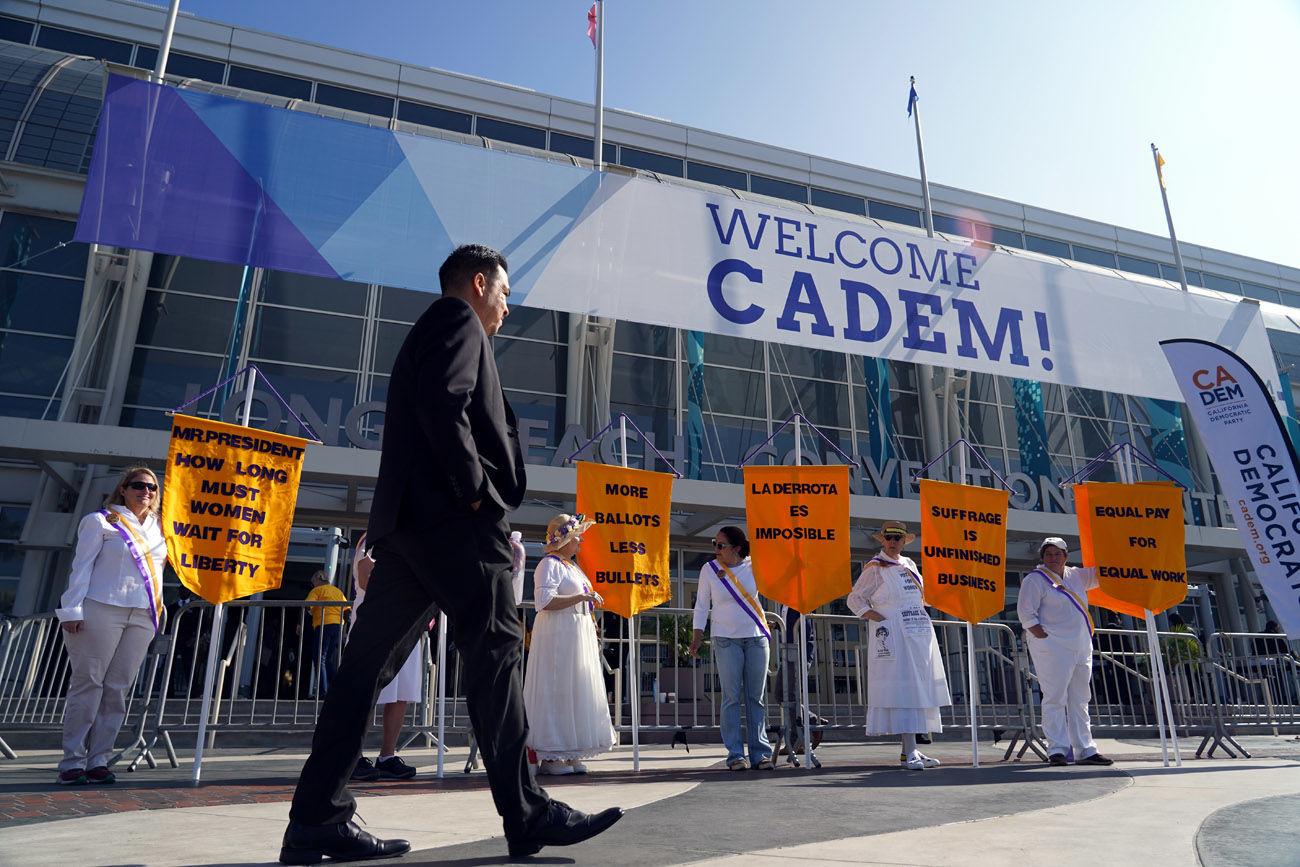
[(100, 776), (915, 764), (765, 764), (578, 767), (73, 777), (1095, 759), (365, 771), (737, 765), (393, 768), (554, 768), (1057, 760), (926, 760)]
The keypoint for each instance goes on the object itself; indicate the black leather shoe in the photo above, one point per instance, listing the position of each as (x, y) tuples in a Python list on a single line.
[(1094, 759), (563, 826), (1057, 760), (345, 841)]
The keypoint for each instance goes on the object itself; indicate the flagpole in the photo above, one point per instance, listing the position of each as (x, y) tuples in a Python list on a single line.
[(1169, 217), (809, 757), (914, 104), (165, 47), (598, 158)]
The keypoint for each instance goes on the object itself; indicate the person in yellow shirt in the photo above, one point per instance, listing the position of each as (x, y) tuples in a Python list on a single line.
[(327, 627)]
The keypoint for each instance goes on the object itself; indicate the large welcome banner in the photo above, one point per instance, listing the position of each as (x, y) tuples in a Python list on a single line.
[(798, 521), (625, 553), (1134, 536), (1234, 410), (964, 548), (227, 510), (191, 173)]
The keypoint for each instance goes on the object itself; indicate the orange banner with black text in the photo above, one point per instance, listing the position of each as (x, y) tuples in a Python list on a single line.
[(228, 503), (625, 553), (963, 548), (1134, 536), (798, 521)]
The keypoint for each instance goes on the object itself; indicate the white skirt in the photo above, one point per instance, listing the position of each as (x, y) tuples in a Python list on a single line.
[(406, 686), (902, 720), (564, 691)]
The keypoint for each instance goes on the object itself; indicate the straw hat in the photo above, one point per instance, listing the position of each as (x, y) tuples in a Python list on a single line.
[(563, 529), (894, 527)]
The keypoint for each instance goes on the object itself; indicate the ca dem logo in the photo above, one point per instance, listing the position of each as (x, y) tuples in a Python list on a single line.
[(1218, 386)]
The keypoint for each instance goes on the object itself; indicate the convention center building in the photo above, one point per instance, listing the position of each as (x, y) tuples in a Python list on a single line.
[(98, 344)]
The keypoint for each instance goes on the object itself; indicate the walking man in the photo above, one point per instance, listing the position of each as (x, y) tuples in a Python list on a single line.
[(450, 469), (1053, 609)]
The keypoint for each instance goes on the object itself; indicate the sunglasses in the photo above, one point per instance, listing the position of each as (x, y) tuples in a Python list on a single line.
[(718, 546), (143, 486), (892, 537)]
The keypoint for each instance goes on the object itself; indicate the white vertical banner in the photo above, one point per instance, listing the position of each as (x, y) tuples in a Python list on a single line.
[(1243, 431)]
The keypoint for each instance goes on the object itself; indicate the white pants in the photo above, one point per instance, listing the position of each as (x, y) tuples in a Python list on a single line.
[(105, 656), (1065, 677)]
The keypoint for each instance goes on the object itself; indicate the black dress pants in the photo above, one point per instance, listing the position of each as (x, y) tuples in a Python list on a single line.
[(462, 565)]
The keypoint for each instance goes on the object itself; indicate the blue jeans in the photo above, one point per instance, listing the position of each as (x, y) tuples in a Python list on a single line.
[(742, 671), (325, 654)]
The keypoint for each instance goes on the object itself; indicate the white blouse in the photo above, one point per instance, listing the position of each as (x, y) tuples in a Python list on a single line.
[(730, 620), (103, 568)]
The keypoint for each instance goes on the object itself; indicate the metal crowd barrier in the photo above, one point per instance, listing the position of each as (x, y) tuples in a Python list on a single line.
[(268, 680)]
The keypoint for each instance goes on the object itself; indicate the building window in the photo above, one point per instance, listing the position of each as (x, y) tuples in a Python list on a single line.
[(839, 201), (59, 130), (15, 30), (1139, 266), (269, 82), (891, 213), (1262, 293), (954, 226), (717, 175), (777, 188), (1170, 272), (1047, 246), (12, 518), (98, 47), (1008, 238), (354, 100), (1093, 256), (515, 133), (1223, 284), (182, 65), (432, 115), (581, 147), (650, 162)]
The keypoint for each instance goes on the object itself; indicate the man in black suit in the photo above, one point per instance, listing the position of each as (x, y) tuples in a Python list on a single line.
[(451, 467)]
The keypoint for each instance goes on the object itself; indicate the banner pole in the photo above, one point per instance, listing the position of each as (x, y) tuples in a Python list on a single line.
[(808, 757), (972, 689), (443, 625), (218, 618), (634, 650), (1153, 644), (1164, 693)]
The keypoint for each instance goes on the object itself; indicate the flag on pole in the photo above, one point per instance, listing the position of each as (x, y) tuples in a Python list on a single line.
[(911, 98), (1160, 169), (591, 24)]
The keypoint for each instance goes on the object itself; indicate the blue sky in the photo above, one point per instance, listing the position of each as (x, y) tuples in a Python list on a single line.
[(1051, 104)]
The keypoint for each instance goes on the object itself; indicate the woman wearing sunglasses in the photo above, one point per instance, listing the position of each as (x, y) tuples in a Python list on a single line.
[(727, 592), (109, 614), (906, 685)]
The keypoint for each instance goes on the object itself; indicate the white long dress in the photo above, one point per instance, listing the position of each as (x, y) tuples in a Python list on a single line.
[(406, 685), (564, 692), (906, 685)]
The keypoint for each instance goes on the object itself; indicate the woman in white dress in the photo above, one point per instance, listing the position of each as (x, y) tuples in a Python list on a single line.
[(564, 691), (403, 688), (906, 685)]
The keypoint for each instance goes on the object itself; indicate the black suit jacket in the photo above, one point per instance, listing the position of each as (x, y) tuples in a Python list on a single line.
[(449, 435)]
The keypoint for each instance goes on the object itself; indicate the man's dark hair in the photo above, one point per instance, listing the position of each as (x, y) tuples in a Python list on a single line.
[(467, 260)]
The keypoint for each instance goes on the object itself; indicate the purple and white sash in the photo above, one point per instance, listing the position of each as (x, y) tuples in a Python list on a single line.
[(1059, 587), (749, 605), (143, 563)]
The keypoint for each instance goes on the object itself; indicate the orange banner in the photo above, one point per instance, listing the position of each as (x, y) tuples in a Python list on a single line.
[(963, 548), (227, 510), (625, 554), (1134, 536), (799, 533)]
